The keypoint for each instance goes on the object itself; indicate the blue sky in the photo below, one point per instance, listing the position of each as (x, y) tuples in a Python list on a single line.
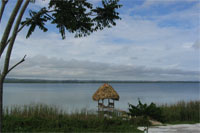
[(155, 40)]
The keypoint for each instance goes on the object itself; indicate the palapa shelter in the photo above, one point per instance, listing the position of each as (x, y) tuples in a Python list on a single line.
[(105, 91)]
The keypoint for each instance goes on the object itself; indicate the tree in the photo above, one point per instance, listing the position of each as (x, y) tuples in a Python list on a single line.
[(73, 16)]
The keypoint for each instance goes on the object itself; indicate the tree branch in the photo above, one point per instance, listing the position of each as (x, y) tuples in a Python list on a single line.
[(18, 31), (44, 12), (49, 16), (9, 26), (13, 37), (22, 60), (3, 4)]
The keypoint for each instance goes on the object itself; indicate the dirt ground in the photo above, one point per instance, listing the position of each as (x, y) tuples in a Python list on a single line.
[(180, 128)]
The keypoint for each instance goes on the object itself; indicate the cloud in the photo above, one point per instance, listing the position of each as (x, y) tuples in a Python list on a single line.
[(196, 45), (132, 37), (135, 41), (54, 68), (169, 13), (42, 3), (153, 3)]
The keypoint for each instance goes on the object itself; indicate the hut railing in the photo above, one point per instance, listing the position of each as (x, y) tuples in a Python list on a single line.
[(111, 105)]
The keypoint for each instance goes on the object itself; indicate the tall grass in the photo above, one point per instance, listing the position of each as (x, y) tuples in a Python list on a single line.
[(182, 112), (49, 118), (45, 118), (33, 110)]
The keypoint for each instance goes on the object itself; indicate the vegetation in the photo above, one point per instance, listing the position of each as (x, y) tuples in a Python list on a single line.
[(144, 113), (79, 17), (144, 110), (44, 118), (181, 112)]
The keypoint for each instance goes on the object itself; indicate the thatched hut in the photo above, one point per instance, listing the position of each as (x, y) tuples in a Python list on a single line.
[(105, 91)]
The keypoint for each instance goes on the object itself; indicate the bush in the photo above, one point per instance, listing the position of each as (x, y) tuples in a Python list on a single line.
[(181, 112), (144, 110)]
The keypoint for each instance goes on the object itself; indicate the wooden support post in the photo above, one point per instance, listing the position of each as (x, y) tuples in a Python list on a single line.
[(113, 104), (103, 104), (98, 105)]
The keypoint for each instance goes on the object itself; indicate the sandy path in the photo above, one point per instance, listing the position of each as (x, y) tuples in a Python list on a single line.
[(180, 128)]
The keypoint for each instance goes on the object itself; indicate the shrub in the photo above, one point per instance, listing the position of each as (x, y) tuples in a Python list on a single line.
[(146, 111)]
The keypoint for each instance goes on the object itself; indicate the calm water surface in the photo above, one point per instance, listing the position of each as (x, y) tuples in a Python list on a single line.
[(73, 96)]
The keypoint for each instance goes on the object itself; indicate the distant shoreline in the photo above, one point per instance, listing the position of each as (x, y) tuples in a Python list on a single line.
[(88, 81)]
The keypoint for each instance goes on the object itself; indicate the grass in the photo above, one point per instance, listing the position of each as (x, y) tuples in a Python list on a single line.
[(49, 118), (45, 118), (181, 112)]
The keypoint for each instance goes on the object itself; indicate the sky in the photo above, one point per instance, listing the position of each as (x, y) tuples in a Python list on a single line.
[(154, 40)]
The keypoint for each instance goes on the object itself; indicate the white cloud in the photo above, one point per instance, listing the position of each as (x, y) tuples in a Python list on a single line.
[(196, 45), (150, 3), (135, 42), (53, 68), (42, 3), (131, 37), (187, 15)]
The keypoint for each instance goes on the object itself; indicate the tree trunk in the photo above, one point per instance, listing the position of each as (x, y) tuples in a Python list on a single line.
[(3, 4), (6, 69), (1, 103), (9, 26)]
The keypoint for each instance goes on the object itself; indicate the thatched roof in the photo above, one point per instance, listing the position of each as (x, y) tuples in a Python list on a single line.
[(105, 92)]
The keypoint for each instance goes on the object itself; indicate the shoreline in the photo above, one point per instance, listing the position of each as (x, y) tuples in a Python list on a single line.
[(90, 81)]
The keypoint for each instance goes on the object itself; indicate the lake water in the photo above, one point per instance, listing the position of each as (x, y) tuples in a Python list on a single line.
[(75, 96)]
